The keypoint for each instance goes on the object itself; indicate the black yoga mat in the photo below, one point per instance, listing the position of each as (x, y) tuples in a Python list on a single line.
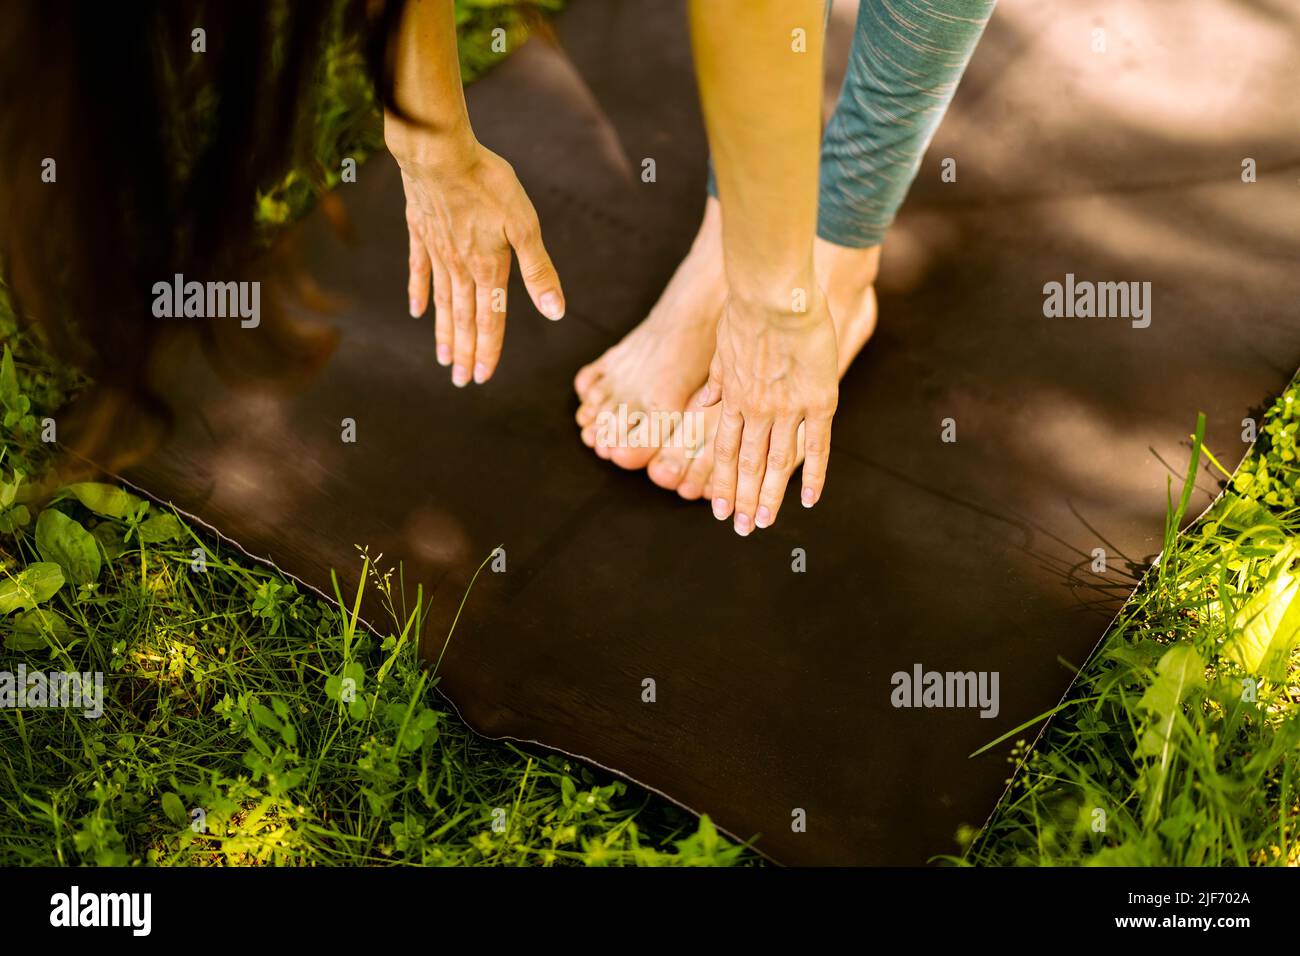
[(774, 706)]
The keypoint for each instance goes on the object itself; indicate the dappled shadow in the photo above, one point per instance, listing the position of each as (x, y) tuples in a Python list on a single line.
[(774, 677)]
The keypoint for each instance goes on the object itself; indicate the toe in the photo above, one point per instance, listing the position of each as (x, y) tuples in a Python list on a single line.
[(646, 435), (667, 468), (597, 395), (632, 459), (635, 447), (697, 481), (596, 403), (587, 376)]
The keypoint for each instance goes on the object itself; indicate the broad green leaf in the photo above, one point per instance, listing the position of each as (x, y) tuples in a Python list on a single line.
[(13, 519), (36, 584), (1179, 671), (350, 684), (1246, 515), (107, 500), (160, 528), (1178, 674), (30, 629), (1271, 621), (109, 538), (174, 809), (65, 542), (24, 639)]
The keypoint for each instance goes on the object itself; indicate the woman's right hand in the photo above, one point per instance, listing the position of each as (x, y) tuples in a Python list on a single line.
[(465, 212)]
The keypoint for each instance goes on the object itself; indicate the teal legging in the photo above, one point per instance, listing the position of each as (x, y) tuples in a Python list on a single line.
[(905, 63)]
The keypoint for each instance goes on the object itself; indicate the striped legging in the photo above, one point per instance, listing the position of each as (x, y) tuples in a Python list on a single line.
[(904, 65)]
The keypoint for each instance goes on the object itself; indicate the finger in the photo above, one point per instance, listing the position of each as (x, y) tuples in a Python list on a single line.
[(817, 450), (726, 448), (781, 453), (711, 393), (490, 315), (540, 278), (442, 312), (751, 466), (419, 274), (462, 307)]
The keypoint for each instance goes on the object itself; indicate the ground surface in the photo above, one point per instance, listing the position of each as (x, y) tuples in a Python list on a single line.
[(774, 687)]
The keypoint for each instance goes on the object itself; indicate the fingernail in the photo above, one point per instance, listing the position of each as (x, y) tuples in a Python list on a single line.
[(808, 498), (743, 525), (764, 517), (552, 307), (460, 376), (415, 309), (444, 355), (720, 508), (480, 373)]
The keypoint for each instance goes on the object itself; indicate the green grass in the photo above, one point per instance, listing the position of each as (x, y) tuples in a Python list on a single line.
[(224, 686), (249, 723), (1179, 745), (245, 722), (228, 703)]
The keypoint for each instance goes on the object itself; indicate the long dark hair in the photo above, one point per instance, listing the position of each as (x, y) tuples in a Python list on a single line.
[(158, 153)]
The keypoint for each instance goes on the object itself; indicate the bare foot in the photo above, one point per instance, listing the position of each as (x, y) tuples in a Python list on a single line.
[(648, 377), (848, 278)]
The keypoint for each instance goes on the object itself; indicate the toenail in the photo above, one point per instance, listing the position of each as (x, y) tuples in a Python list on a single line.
[(720, 508), (764, 517), (743, 525), (444, 355), (672, 468), (808, 498), (460, 376), (415, 309), (481, 373), (687, 490)]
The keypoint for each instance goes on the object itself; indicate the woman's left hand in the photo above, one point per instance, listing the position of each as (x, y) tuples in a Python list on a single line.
[(773, 371)]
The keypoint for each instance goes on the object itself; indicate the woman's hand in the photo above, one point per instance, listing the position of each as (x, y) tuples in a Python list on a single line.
[(465, 211), (773, 371)]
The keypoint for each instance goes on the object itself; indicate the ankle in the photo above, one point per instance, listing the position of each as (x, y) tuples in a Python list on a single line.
[(708, 240), (844, 267)]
